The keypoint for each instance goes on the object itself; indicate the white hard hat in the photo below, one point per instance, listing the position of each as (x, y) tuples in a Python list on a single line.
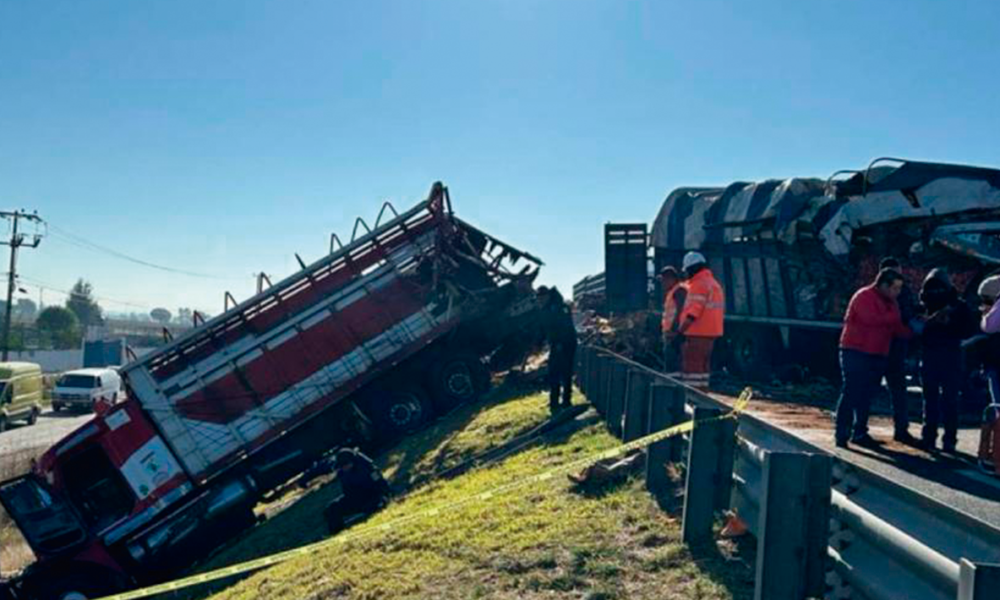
[(990, 287), (691, 259)]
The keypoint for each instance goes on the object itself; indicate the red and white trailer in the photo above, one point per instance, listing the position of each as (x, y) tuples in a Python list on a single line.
[(369, 341)]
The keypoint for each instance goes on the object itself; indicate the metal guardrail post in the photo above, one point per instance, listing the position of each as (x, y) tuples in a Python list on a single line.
[(603, 383), (978, 581), (726, 441), (617, 388), (661, 416), (636, 413), (676, 407), (702, 475), (793, 528), (580, 368)]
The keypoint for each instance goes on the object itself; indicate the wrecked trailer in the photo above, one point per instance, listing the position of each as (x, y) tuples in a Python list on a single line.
[(364, 345), (790, 253)]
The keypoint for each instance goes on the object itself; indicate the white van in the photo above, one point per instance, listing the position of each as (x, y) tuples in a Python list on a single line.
[(82, 388)]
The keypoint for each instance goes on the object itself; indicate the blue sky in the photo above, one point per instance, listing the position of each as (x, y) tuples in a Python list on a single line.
[(222, 137)]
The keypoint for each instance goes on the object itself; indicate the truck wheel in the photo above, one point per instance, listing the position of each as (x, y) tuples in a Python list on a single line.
[(750, 351), (3, 423), (397, 412), (33, 417), (456, 380)]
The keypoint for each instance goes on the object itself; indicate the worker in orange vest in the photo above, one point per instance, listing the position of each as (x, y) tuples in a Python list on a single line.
[(674, 294), (701, 320)]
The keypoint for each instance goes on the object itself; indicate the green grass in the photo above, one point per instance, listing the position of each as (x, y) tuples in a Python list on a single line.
[(541, 542)]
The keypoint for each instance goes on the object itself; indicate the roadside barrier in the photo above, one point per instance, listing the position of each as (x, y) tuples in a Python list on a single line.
[(825, 527)]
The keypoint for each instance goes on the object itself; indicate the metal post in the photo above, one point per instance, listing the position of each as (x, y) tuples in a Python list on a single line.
[(793, 529), (617, 388), (726, 440), (702, 466), (602, 383), (978, 581), (675, 404), (659, 454), (581, 369), (636, 413)]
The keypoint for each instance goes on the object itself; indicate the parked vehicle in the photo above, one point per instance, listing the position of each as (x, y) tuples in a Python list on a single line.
[(83, 388), (362, 346), (22, 397)]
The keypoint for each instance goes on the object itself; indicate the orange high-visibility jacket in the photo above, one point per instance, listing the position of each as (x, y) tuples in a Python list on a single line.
[(706, 304)]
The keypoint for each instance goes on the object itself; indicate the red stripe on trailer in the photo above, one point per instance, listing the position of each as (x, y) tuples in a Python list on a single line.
[(269, 312), (227, 399), (319, 405), (221, 401)]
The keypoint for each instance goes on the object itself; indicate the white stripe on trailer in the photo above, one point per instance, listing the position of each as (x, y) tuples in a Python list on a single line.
[(216, 441), (382, 277)]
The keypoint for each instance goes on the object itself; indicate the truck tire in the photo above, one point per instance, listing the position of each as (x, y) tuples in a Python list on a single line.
[(33, 417), (3, 423), (396, 412), (750, 351), (457, 379)]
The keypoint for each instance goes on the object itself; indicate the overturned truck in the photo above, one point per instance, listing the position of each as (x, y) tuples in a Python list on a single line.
[(791, 252), (362, 346)]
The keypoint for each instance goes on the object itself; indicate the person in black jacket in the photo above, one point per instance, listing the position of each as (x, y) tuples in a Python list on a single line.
[(362, 485), (949, 321), (560, 333), (895, 366)]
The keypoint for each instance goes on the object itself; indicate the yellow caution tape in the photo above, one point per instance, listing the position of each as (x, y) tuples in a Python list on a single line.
[(268, 561)]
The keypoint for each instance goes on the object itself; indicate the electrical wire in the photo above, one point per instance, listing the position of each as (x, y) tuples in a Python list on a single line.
[(45, 286), (80, 242)]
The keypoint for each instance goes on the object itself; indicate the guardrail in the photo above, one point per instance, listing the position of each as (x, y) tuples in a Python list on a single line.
[(825, 528)]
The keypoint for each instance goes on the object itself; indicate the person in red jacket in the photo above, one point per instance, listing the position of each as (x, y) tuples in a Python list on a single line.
[(871, 323)]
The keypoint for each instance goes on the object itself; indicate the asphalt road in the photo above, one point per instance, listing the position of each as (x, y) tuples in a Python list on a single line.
[(953, 481), (22, 439)]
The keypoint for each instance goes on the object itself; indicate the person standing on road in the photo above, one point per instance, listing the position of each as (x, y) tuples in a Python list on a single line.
[(989, 440), (557, 325), (674, 295), (895, 365), (949, 320), (701, 320), (871, 323)]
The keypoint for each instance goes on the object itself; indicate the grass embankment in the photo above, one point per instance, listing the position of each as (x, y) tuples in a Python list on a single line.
[(542, 542)]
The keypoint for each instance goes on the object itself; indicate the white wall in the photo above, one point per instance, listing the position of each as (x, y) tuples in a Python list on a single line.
[(56, 361)]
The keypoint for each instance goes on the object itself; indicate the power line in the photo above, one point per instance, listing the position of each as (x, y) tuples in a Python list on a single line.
[(75, 240), (45, 286)]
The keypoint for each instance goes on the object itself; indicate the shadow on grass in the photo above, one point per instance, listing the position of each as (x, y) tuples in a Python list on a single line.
[(729, 563), (302, 522)]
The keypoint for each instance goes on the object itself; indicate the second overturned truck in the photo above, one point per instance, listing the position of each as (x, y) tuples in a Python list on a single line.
[(363, 345)]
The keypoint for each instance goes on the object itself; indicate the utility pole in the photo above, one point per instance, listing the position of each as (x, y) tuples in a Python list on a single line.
[(16, 241)]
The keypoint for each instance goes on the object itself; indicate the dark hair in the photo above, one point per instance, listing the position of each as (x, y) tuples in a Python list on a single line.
[(671, 271), (888, 277), (888, 262)]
